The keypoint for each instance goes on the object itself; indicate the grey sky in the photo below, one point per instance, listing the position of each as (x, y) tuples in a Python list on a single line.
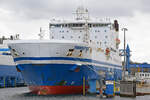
[(27, 16), (46, 8)]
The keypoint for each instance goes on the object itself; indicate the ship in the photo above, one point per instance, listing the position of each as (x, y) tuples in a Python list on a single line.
[(79, 49), (9, 77)]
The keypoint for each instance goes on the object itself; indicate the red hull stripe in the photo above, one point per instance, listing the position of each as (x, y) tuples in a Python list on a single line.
[(48, 90)]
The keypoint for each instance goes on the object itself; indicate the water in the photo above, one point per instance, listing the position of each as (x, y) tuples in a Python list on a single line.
[(22, 93)]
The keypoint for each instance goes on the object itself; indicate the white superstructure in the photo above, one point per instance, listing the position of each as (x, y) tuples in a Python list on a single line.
[(5, 56), (93, 40)]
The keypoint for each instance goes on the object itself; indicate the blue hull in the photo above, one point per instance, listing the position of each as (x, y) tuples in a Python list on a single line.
[(61, 74)]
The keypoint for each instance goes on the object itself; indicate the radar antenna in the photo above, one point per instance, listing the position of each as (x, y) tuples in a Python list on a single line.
[(82, 13)]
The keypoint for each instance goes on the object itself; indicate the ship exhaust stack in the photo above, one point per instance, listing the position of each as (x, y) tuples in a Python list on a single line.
[(116, 25)]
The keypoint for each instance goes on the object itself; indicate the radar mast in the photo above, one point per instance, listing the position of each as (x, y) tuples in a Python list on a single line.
[(82, 13)]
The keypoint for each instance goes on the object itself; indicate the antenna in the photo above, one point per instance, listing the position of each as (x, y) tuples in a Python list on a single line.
[(41, 34)]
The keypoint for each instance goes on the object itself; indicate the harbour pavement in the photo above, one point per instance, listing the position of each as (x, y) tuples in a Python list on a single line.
[(22, 93)]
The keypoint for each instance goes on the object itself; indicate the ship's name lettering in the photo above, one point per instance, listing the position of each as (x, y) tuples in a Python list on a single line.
[(81, 48)]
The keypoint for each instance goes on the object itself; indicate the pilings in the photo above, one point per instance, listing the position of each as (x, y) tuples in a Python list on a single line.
[(10, 81), (84, 86)]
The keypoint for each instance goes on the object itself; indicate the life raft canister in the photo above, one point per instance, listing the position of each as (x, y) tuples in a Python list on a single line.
[(107, 51)]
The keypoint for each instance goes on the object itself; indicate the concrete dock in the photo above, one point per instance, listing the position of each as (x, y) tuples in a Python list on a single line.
[(22, 93)]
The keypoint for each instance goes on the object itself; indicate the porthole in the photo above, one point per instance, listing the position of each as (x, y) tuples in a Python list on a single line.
[(80, 31), (100, 43), (63, 37), (105, 30), (79, 37), (106, 36), (52, 37), (105, 42)]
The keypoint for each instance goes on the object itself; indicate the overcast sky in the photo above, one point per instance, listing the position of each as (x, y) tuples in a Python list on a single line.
[(27, 16)]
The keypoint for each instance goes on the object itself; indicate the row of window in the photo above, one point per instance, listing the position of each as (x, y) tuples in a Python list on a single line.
[(81, 31), (79, 38), (64, 37), (144, 74), (77, 25)]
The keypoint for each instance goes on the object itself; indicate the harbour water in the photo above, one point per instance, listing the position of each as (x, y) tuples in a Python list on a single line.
[(22, 93)]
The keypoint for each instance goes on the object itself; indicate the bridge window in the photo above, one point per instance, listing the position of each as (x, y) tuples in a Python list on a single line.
[(70, 25), (62, 25), (57, 25), (76, 25), (90, 25)]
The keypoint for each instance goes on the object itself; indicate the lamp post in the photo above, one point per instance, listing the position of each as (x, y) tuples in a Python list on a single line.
[(124, 30)]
